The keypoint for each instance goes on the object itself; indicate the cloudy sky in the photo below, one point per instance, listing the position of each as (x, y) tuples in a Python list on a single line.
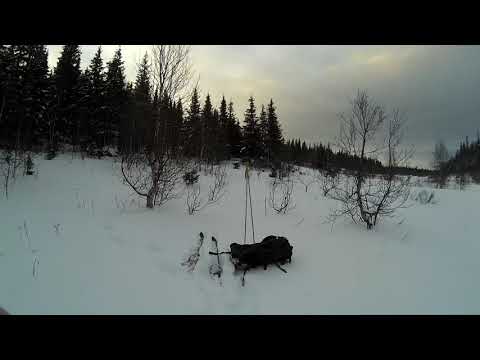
[(436, 86)]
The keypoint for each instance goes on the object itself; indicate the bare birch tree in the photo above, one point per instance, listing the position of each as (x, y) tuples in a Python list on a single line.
[(363, 197), (155, 171)]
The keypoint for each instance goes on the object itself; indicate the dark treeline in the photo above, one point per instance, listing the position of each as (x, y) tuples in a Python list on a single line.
[(465, 161), (42, 108), (96, 111), (319, 156), (467, 157), (97, 108), (322, 157)]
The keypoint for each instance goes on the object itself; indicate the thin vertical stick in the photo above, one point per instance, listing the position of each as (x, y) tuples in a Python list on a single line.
[(265, 205), (245, 230), (251, 211)]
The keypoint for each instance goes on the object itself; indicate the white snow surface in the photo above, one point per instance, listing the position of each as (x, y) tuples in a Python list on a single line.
[(75, 240)]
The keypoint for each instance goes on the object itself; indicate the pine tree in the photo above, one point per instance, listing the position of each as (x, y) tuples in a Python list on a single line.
[(115, 95), (234, 133), (85, 134), (274, 137), (34, 92), (264, 135), (23, 90), (153, 125), (251, 131), (192, 127), (208, 130), (49, 126), (98, 122), (128, 136), (143, 88), (179, 124), (222, 137), (141, 111), (166, 121), (15, 57), (3, 78), (5, 64), (67, 74), (216, 137)]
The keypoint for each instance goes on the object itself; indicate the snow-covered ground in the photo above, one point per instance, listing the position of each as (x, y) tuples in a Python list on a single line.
[(75, 240)]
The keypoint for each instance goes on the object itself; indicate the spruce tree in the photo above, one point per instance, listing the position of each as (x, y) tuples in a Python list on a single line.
[(215, 136), (208, 129), (192, 127), (234, 132), (5, 64), (223, 125), (34, 92), (274, 133), (13, 113), (98, 121), (23, 85), (127, 133), (264, 135), (83, 131), (179, 124), (251, 131), (115, 95), (67, 74), (141, 108)]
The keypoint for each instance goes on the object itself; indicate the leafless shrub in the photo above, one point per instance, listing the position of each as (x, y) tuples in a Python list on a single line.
[(153, 175), (10, 162), (423, 197), (280, 196), (362, 197), (328, 180), (196, 203), (192, 259), (217, 188), (306, 179), (193, 200)]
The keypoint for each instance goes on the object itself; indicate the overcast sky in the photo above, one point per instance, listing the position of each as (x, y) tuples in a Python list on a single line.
[(436, 86)]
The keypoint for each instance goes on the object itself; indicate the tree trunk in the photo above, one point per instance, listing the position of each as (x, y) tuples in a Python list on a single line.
[(150, 198), (1, 108)]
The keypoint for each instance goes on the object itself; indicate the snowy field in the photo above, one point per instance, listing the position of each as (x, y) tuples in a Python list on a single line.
[(75, 240)]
